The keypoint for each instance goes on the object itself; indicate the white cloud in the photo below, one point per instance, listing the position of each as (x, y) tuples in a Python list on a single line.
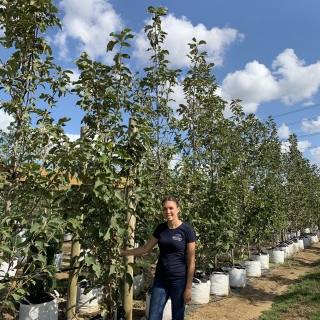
[(180, 33), (253, 85), (178, 96), (289, 80), (303, 145), (74, 76), (308, 103), (4, 120), (176, 160), (294, 76), (90, 22), (72, 136), (283, 132), (60, 40), (285, 147), (315, 155), (311, 126)]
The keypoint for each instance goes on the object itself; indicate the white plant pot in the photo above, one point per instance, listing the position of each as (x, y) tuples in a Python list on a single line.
[(21, 259), (306, 230), (306, 242), (219, 283), (200, 291), (167, 313), (285, 249), (290, 249), (295, 246), (278, 255), (58, 258), (86, 251), (300, 244), (4, 269), (67, 237), (313, 239), (263, 258), (21, 233), (138, 284), (237, 277), (88, 303), (253, 268), (41, 311), (270, 253)]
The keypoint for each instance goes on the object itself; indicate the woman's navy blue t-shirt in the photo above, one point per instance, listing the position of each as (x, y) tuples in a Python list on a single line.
[(172, 243)]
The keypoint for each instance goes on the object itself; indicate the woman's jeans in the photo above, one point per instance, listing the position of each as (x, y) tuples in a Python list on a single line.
[(161, 291)]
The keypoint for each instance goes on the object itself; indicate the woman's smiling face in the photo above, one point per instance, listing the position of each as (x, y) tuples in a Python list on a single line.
[(170, 210)]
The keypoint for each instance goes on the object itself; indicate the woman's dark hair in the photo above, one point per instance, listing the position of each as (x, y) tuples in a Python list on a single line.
[(170, 198)]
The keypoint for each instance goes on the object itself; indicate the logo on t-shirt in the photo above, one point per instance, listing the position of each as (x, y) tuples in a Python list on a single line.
[(177, 237)]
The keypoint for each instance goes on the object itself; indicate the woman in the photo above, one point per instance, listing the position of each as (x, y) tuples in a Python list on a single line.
[(176, 263)]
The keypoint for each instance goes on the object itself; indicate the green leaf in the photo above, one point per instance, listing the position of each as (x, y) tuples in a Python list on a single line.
[(36, 227), (98, 183), (9, 304), (5, 249), (89, 260), (129, 279), (135, 268), (111, 44), (112, 270), (113, 221), (16, 297), (107, 235)]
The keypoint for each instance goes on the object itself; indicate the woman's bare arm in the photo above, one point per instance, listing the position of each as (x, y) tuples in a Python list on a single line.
[(140, 250), (191, 250)]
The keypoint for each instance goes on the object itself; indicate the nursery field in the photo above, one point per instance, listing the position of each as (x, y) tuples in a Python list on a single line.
[(239, 185)]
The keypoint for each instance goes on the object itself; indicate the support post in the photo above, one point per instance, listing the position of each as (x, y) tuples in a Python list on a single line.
[(131, 218), (73, 274)]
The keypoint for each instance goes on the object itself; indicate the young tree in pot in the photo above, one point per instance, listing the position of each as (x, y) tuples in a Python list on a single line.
[(154, 93), (31, 83), (296, 187), (265, 207), (206, 162), (249, 137), (110, 154)]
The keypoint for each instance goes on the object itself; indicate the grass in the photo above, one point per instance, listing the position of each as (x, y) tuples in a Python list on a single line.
[(300, 302)]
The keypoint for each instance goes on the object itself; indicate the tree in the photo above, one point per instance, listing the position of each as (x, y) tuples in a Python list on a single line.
[(153, 92), (33, 147), (206, 162)]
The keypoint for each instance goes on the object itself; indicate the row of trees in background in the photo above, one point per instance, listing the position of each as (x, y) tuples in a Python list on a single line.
[(235, 184)]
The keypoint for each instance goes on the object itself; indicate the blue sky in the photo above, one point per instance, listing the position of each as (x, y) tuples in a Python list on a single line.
[(265, 53)]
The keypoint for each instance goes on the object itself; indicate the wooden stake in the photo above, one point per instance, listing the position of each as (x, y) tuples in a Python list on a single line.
[(131, 218), (73, 274)]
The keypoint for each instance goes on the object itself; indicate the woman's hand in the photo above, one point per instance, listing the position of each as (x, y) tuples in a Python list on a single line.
[(187, 296)]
